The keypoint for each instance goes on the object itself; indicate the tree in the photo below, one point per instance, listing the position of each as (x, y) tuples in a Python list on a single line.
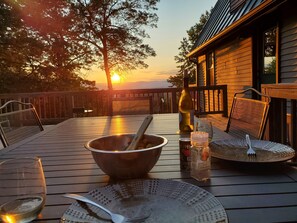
[(114, 32), (186, 46), (12, 50), (60, 58), (55, 40), (35, 53)]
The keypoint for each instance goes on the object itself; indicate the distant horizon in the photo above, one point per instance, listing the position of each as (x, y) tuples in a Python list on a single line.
[(136, 85), (175, 18)]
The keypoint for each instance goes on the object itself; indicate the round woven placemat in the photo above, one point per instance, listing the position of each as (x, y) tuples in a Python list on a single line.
[(236, 150), (165, 200)]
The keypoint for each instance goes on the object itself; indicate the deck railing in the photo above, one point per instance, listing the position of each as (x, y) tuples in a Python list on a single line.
[(54, 107)]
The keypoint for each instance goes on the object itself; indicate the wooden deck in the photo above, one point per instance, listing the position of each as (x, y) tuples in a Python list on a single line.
[(248, 194), (218, 121)]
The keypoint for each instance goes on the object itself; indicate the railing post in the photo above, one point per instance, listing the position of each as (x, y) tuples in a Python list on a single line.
[(293, 129), (110, 97), (174, 104), (225, 101), (69, 104)]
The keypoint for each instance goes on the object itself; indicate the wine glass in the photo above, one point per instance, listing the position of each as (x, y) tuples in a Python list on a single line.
[(204, 125), (22, 189)]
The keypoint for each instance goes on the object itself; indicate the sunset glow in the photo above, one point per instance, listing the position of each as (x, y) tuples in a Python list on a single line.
[(163, 65), (115, 78)]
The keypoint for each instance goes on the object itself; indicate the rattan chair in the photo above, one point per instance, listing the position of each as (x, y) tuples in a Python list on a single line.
[(19, 121), (248, 116)]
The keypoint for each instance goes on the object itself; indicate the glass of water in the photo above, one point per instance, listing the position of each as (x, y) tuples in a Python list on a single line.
[(22, 189), (204, 125)]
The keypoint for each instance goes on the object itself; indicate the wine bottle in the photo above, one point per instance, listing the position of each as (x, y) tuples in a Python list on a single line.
[(185, 107)]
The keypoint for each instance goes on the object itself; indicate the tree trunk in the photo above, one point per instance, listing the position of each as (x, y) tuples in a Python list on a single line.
[(106, 64), (108, 77)]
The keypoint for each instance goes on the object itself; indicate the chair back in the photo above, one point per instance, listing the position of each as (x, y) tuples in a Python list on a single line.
[(18, 120), (248, 116)]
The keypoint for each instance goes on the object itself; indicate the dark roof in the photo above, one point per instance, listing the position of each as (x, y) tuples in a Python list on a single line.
[(221, 18)]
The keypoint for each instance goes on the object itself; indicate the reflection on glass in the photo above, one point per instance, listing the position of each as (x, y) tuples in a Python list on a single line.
[(269, 71), (23, 184), (210, 68)]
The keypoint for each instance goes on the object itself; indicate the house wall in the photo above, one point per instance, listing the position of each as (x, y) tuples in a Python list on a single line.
[(233, 66), (201, 73), (288, 45), (288, 52), (201, 77)]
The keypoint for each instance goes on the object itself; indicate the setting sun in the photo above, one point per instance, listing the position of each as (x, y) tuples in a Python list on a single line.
[(115, 78)]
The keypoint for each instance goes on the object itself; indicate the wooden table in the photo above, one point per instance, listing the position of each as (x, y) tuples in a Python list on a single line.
[(248, 195)]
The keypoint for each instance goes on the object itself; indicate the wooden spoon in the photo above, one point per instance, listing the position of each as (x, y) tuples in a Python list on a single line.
[(133, 145)]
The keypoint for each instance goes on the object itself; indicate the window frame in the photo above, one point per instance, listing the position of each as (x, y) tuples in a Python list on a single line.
[(210, 68)]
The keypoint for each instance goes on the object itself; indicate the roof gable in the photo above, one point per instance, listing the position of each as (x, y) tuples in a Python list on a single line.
[(222, 17)]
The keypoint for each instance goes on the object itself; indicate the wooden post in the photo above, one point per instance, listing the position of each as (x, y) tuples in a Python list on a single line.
[(174, 105), (225, 101), (110, 98)]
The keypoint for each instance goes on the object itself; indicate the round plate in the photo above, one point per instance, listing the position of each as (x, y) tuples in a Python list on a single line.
[(165, 200), (236, 150)]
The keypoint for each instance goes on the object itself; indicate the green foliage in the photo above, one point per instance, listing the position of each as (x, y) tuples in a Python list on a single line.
[(186, 46), (44, 45), (33, 51), (270, 68), (114, 31)]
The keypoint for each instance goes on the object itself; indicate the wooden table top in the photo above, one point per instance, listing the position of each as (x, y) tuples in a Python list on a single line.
[(260, 194)]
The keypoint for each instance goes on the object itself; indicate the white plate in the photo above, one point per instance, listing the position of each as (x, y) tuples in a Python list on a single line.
[(236, 150), (166, 200)]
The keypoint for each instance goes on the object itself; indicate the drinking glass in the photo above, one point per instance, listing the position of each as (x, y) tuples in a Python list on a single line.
[(22, 189), (204, 125)]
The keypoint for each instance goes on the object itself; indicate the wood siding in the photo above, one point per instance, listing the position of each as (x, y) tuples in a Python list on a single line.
[(288, 46), (211, 100), (233, 66), (201, 73), (201, 78)]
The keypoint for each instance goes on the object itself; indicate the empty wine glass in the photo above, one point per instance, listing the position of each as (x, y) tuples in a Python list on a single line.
[(22, 189), (204, 125)]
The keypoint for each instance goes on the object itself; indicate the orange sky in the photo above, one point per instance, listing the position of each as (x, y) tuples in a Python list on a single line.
[(175, 18)]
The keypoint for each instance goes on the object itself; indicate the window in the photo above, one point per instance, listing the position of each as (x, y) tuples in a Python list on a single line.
[(192, 76), (210, 69), (269, 56)]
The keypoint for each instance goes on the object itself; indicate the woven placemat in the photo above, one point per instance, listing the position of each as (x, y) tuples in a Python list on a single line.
[(165, 200)]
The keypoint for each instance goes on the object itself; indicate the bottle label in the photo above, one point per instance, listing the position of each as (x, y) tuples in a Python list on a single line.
[(185, 153), (186, 121)]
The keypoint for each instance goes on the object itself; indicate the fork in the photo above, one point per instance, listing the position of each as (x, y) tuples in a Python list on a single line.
[(250, 151), (116, 218)]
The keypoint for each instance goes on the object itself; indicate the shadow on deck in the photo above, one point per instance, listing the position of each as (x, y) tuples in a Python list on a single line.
[(218, 121)]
